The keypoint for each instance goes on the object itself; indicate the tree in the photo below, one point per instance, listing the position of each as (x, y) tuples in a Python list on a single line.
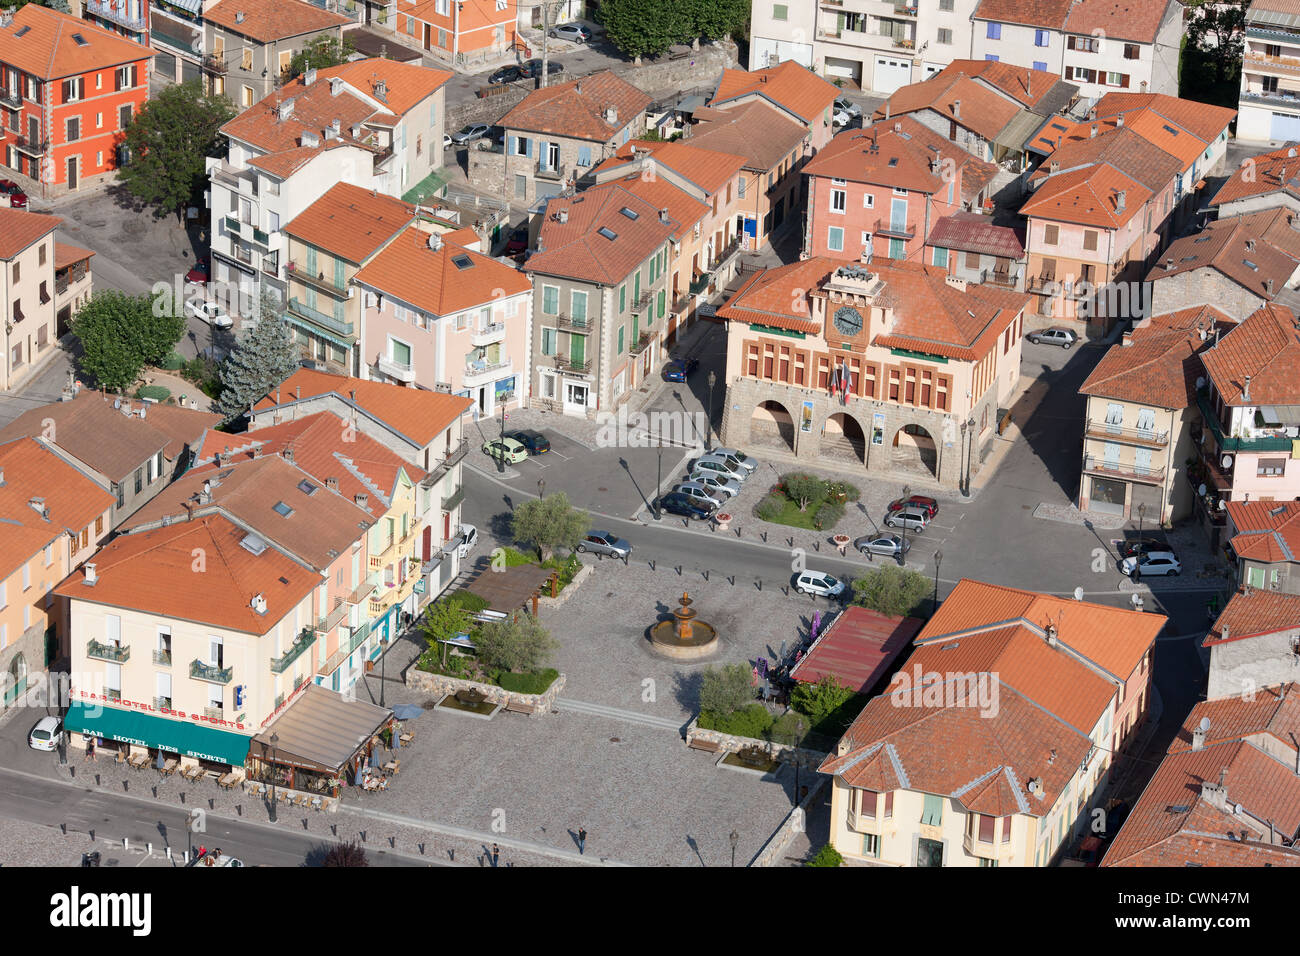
[(826, 856), (892, 590), (443, 621), (805, 490), (821, 699), (1216, 28), (726, 689), (350, 853), (549, 523), (519, 644), (319, 53), (714, 19), (60, 5), (169, 141), (261, 360), (645, 27), (790, 729), (121, 333)]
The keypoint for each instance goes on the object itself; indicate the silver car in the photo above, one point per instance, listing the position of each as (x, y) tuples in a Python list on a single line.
[(720, 465), (718, 484), (605, 543), (699, 494), (888, 545), (914, 519), (737, 457)]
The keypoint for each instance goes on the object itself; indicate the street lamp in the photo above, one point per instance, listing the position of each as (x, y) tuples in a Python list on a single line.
[(902, 557), (713, 379), (541, 488), (970, 448), (938, 557), (659, 480), (1142, 513), (383, 667), (734, 838), (275, 739), (963, 483)]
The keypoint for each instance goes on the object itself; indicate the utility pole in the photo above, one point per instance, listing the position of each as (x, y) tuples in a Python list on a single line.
[(550, 10)]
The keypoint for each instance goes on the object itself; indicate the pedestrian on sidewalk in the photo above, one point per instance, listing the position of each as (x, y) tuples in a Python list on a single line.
[(90, 749), (496, 852), (582, 840)]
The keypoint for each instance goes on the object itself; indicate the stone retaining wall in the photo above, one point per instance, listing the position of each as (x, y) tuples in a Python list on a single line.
[(806, 759), (569, 590), (440, 685), (796, 822)]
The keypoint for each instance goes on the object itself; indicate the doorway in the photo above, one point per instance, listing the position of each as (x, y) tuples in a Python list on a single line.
[(576, 396)]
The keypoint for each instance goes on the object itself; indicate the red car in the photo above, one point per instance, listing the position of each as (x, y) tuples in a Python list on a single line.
[(928, 505), (198, 274), (17, 198)]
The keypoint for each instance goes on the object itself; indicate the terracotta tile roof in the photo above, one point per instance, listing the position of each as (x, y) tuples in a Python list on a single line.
[(153, 572), (956, 97), (84, 425), (1027, 87), (1124, 149), (321, 526), (1202, 120), (432, 281), (1276, 171), (1270, 711), (1266, 346), (1252, 612), (1250, 250), (314, 109), (65, 254), (472, 16), (1157, 364), (708, 169), (1136, 20), (768, 297), (267, 20), (756, 130), (415, 414), (971, 232), (1088, 197), (901, 154), (683, 209), (857, 649), (1035, 13), (1266, 530), (788, 85), (32, 471), (20, 228), (576, 249), (577, 108), (351, 222), (47, 49)]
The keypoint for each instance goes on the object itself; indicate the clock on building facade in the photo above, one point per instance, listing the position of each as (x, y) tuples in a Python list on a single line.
[(847, 321)]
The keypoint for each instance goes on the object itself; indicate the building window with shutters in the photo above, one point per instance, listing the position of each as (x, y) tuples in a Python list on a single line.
[(1051, 234), (932, 813)]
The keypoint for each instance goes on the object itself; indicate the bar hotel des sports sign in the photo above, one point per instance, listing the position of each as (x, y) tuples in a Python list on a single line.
[(164, 711)]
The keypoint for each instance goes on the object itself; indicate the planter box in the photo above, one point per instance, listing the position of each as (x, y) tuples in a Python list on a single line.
[(439, 686)]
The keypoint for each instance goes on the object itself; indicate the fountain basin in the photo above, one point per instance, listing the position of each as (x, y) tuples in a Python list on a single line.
[(684, 638)]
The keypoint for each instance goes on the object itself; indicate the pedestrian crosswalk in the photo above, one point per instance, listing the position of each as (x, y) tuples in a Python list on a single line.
[(674, 724)]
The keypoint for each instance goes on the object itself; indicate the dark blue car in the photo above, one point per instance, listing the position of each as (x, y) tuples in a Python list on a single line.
[(535, 442), (678, 504), (676, 370)]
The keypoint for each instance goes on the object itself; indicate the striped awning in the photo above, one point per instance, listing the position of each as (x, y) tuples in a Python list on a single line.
[(189, 6), (312, 329)]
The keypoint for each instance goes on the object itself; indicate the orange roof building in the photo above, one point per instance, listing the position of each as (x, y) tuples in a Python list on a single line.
[(475, 28), (1265, 538), (28, 253), (789, 87), (994, 734), (1269, 179)]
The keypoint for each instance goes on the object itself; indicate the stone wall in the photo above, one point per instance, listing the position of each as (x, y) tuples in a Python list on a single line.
[(568, 592), (489, 109), (730, 743), (796, 822), (440, 685), (1203, 287)]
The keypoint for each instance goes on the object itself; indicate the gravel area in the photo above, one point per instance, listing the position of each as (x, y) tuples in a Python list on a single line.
[(30, 844)]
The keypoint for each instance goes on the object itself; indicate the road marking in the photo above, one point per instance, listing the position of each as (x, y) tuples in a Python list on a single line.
[(618, 713)]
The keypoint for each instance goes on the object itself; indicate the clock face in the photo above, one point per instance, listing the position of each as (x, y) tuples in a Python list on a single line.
[(848, 320)]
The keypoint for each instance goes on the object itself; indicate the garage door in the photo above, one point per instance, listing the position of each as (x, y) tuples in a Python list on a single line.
[(1107, 496), (1153, 496), (891, 74), (189, 71), (164, 65), (844, 69), (1284, 126)]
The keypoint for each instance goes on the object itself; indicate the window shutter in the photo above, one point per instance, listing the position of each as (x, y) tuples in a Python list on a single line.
[(513, 147), (117, 81), (528, 145), (135, 75), (67, 90), (1123, 80)]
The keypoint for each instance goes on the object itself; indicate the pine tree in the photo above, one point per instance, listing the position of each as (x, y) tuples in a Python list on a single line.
[(263, 358)]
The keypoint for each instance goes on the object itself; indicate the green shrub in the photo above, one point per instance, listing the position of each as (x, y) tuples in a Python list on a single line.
[(533, 682), (467, 600), (790, 728), (807, 491), (848, 489), (726, 689), (828, 515), (752, 721), (157, 392), (826, 856), (820, 699), (173, 362), (770, 507)]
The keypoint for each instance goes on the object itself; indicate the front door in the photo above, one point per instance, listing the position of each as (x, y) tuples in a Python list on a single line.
[(72, 172), (553, 156), (929, 853), (426, 545), (428, 45), (575, 398)]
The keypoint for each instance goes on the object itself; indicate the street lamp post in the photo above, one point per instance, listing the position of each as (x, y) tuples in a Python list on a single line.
[(1142, 513), (659, 507), (541, 488), (970, 449), (938, 557), (275, 739), (907, 493), (383, 665), (963, 482), (713, 379), (734, 838)]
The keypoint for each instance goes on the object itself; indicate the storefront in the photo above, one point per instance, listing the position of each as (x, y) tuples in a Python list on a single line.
[(144, 732)]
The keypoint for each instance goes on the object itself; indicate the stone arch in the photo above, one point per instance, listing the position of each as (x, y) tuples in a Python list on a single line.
[(914, 449), (844, 439), (771, 424)]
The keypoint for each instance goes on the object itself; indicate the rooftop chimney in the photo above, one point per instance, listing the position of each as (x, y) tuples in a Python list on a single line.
[(1119, 121), (611, 116), (1094, 131), (288, 454), (1198, 735), (1120, 198), (956, 109), (1054, 167), (577, 87), (1169, 264), (1268, 287), (1126, 339), (663, 216), (1250, 245), (435, 241), (1245, 392), (257, 451), (1144, 86), (363, 501), (239, 16), (91, 574), (258, 603), (285, 109), (381, 90), (886, 109), (309, 77), (336, 85), (332, 484)]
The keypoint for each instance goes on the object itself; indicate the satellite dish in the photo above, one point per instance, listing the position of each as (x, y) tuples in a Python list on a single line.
[(1222, 506), (1205, 725), (1227, 461), (1200, 382), (1200, 489), (1078, 594)]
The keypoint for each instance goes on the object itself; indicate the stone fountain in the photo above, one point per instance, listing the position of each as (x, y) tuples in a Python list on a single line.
[(685, 637)]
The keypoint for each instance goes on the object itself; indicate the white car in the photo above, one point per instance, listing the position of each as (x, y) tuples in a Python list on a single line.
[(1154, 563), (46, 735), (446, 141), (819, 583), (700, 494), (735, 456), (468, 539), (209, 312), (717, 484), (841, 118), (845, 105)]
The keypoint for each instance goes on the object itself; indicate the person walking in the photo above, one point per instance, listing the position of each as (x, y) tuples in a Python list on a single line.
[(496, 853), (582, 841), (90, 749)]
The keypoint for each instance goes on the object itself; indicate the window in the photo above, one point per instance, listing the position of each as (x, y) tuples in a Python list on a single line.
[(27, 576), (1131, 51), (835, 239), (932, 814), (1040, 38), (74, 128), (1090, 240), (139, 480), (1116, 79), (1051, 233), (945, 36), (946, 6), (549, 337), (579, 308), (1040, 65), (871, 845), (839, 200), (622, 298), (994, 31), (941, 257), (246, 59), (1271, 468), (550, 300), (986, 825), (780, 11), (868, 201), (17, 271)]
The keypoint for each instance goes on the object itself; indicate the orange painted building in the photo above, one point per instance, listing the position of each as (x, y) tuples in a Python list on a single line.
[(67, 91), (459, 28)]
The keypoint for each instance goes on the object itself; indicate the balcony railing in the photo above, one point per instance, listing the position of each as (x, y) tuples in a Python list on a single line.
[(402, 371), (1289, 64), (441, 468), (118, 653), (299, 272), (179, 44), (475, 371), (200, 670), (993, 277), (898, 230), (1278, 98), (323, 319), (550, 172), (11, 99), (30, 146), (725, 256), (114, 14), (905, 9), (1148, 437), (641, 344), (300, 646), (162, 658), (566, 364), (382, 155), (487, 334), (1118, 469), (570, 324), (338, 657), (1234, 445), (215, 63), (699, 283), (453, 499)]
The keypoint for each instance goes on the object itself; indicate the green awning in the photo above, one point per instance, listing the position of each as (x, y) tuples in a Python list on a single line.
[(179, 736), (427, 188)]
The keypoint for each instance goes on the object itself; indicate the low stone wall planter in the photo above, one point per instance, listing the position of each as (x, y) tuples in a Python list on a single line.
[(800, 756), (440, 685), (569, 590)]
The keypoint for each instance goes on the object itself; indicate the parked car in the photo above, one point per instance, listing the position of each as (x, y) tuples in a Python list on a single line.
[(1153, 564), (210, 312), (46, 735), (719, 466), (534, 441), (720, 486), (447, 142), (505, 449), (214, 858), (819, 583), (17, 198), (738, 457), (1053, 336), (470, 133), (605, 542), (841, 118), (466, 540), (571, 31), (699, 493), (518, 241), (679, 504), (928, 505), (889, 545), (533, 68), (914, 519), (677, 369), (845, 105), (198, 273), (1132, 546), (507, 74)]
